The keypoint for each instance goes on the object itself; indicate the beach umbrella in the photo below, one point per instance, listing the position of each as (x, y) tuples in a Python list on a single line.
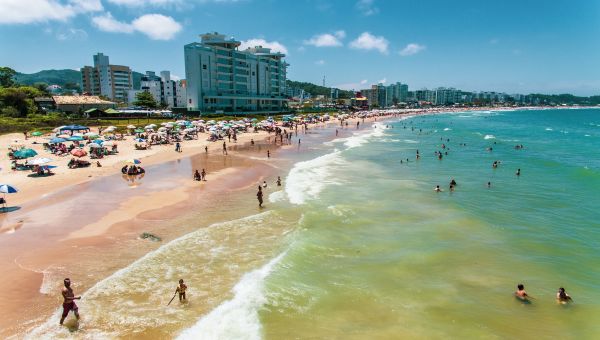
[(79, 152), (139, 131), (25, 153), (36, 133), (131, 126), (39, 161), (94, 145), (90, 134), (58, 129), (133, 161), (108, 143), (57, 140), (98, 141), (75, 139), (78, 134), (7, 189), (140, 140)]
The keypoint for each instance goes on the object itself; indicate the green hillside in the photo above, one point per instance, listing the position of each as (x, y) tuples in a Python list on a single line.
[(62, 77), (316, 90)]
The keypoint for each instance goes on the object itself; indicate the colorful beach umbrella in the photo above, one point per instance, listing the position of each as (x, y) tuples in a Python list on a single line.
[(133, 161), (75, 139), (131, 126), (78, 153), (7, 189), (139, 131), (36, 133), (25, 153)]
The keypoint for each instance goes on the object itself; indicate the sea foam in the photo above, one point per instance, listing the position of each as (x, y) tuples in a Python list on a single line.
[(236, 318)]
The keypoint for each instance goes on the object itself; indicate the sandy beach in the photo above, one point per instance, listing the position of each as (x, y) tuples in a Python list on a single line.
[(65, 221)]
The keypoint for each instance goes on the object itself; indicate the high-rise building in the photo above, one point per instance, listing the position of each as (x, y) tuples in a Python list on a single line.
[(222, 78), (165, 91), (112, 81), (396, 93)]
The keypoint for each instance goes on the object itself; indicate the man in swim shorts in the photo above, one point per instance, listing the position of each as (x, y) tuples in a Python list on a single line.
[(69, 301), (181, 287)]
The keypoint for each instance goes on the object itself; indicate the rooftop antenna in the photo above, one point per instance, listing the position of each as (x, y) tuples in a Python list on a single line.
[(323, 80)]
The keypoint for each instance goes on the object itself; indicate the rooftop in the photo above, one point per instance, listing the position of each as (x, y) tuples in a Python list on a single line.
[(77, 100)]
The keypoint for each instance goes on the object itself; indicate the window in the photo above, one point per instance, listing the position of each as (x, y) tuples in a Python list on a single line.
[(252, 72), (190, 101), (205, 100), (204, 66)]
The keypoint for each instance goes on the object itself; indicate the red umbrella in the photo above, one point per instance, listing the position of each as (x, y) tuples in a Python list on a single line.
[(78, 153)]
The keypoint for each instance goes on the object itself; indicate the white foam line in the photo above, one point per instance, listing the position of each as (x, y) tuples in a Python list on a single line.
[(236, 318)]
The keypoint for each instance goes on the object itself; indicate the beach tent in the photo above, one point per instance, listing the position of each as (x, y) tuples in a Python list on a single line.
[(74, 128), (57, 140)]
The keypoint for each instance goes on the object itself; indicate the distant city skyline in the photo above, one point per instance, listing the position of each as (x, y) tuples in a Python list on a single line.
[(513, 46)]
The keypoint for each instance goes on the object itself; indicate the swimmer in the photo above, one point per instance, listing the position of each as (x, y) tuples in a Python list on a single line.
[(521, 294), (453, 182), (489, 184), (562, 296), (518, 173), (437, 189)]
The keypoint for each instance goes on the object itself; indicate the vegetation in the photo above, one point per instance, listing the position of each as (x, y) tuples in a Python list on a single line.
[(54, 77), (6, 77), (568, 99), (145, 99), (317, 90)]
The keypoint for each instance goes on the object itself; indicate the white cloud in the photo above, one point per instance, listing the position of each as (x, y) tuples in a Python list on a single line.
[(320, 62), (107, 23), (273, 45), (327, 39), (364, 81), (382, 81), (411, 49), (155, 26), (367, 7), (72, 34), (32, 11), (367, 41), (164, 3)]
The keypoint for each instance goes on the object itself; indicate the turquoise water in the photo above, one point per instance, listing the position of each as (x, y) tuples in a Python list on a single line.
[(379, 254)]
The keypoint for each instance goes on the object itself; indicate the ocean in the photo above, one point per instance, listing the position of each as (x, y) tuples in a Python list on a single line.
[(358, 245)]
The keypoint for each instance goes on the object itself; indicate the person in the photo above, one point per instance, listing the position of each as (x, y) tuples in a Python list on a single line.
[(278, 181), (259, 196), (451, 187), (197, 176), (336, 132), (264, 185), (521, 294), (181, 287), (518, 173), (562, 296), (495, 164), (98, 164), (123, 169), (206, 149), (437, 189), (177, 147), (69, 301), (489, 184), (25, 134), (268, 154), (203, 174), (453, 182), (252, 141), (224, 149), (357, 124)]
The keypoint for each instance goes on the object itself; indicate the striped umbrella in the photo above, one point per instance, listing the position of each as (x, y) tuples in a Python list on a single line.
[(7, 189)]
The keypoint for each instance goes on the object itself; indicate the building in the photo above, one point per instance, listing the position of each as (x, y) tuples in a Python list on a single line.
[(80, 104), (446, 96), (221, 78), (103, 79), (164, 90)]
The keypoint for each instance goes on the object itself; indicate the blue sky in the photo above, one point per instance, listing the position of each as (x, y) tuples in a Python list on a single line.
[(511, 46)]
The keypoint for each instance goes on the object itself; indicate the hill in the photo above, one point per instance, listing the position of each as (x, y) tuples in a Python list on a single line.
[(316, 90), (62, 77)]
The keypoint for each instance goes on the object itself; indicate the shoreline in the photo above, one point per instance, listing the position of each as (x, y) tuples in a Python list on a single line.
[(104, 232)]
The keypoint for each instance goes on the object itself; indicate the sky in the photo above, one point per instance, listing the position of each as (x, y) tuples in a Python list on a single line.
[(524, 46)]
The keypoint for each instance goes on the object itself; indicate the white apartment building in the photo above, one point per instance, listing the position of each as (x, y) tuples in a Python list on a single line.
[(221, 78), (112, 81), (165, 91)]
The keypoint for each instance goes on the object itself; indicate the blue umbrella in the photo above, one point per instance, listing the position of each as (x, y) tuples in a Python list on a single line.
[(75, 138), (25, 153), (57, 140), (140, 140), (98, 141), (7, 189)]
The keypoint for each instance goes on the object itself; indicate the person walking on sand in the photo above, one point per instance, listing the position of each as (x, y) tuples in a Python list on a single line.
[(278, 181), (181, 288), (268, 154), (224, 149), (69, 301), (259, 197), (357, 124), (336, 132), (203, 175), (206, 149), (177, 147)]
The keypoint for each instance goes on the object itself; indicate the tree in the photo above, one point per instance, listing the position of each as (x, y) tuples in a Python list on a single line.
[(145, 99), (20, 98), (42, 87), (6, 77)]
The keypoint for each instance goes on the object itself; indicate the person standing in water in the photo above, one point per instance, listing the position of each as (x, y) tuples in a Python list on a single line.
[(521, 294), (203, 175), (224, 149), (562, 296), (268, 154), (259, 197), (181, 288), (69, 301), (278, 181)]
